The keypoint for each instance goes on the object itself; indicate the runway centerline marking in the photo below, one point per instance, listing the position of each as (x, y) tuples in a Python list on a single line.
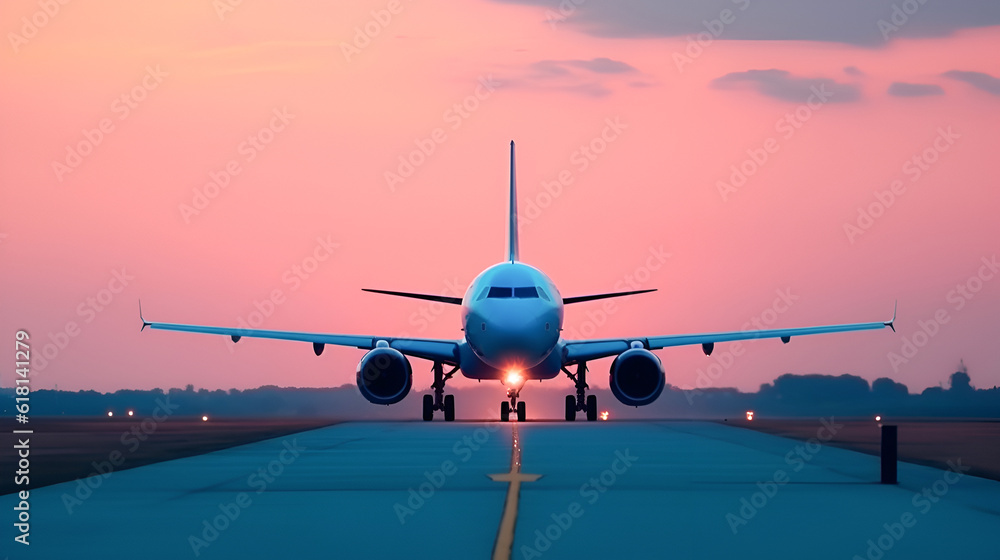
[(504, 543)]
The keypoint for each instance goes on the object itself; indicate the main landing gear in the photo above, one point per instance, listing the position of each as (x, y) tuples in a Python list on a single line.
[(512, 405), (440, 401), (579, 402)]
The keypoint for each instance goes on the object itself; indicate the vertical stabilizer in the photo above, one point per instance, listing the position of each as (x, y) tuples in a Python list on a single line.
[(512, 217)]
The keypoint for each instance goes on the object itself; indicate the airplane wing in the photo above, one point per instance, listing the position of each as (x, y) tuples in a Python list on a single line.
[(578, 299), (429, 297), (444, 351), (575, 351)]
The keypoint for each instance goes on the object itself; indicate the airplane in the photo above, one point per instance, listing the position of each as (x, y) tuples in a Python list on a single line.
[(512, 319)]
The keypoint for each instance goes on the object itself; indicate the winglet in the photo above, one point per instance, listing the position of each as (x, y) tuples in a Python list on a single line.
[(512, 212), (890, 322), (144, 322)]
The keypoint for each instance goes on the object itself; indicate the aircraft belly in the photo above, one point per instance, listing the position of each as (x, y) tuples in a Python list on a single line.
[(474, 368)]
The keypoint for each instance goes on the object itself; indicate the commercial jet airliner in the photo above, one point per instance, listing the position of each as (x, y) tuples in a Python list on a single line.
[(512, 317)]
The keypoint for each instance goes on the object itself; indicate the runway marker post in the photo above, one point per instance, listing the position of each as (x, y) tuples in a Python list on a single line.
[(889, 449)]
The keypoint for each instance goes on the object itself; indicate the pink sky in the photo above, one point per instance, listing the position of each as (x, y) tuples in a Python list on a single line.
[(211, 82)]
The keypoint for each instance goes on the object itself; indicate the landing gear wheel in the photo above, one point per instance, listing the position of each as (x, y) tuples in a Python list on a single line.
[(428, 408), (505, 411), (580, 401), (440, 401), (591, 408), (449, 408), (520, 411)]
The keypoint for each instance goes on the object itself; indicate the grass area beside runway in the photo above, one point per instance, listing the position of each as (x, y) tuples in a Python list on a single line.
[(930, 442), (65, 449)]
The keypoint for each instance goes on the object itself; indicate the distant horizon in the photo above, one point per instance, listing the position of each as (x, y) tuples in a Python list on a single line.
[(789, 395), (559, 383)]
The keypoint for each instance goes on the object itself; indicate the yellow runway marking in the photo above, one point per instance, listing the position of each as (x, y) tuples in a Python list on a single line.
[(505, 535)]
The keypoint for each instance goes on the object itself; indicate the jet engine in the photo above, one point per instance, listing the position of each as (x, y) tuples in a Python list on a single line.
[(637, 377), (384, 375)]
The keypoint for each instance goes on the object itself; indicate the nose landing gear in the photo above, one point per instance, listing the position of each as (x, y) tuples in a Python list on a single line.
[(586, 403), (440, 401), (513, 405)]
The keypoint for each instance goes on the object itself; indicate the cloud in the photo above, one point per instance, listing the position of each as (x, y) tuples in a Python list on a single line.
[(903, 89), (548, 69), (602, 65), (599, 65), (853, 71), (855, 22), (979, 80), (780, 84), (583, 77)]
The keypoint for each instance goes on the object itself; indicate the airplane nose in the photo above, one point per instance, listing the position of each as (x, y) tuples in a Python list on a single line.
[(501, 344)]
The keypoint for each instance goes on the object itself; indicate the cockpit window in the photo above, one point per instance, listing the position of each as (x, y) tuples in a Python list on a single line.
[(482, 293), (518, 292), (498, 292), (526, 292), (544, 295)]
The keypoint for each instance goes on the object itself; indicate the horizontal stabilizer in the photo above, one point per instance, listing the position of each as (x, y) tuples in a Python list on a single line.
[(578, 299), (442, 299)]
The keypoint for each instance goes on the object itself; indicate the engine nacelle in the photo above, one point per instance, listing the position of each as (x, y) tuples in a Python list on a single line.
[(384, 375), (637, 377)]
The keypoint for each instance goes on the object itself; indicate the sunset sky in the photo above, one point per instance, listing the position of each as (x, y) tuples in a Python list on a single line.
[(789, 163)]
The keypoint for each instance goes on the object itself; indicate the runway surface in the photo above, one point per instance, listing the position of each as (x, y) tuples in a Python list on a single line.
[(605, 490)]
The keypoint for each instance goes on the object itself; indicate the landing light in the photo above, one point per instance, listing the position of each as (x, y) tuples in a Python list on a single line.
[(110, 414), (749, 415), (878, 418), (604, 415), (514, 378), (204, 418), (130, 413)]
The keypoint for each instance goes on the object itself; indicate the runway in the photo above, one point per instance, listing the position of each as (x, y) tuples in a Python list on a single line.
[(603, 490)]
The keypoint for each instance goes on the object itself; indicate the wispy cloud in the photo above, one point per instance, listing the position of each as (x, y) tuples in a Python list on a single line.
[(601, 65), (584, 77), (904, 89), (780, 84), (981, 80)]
